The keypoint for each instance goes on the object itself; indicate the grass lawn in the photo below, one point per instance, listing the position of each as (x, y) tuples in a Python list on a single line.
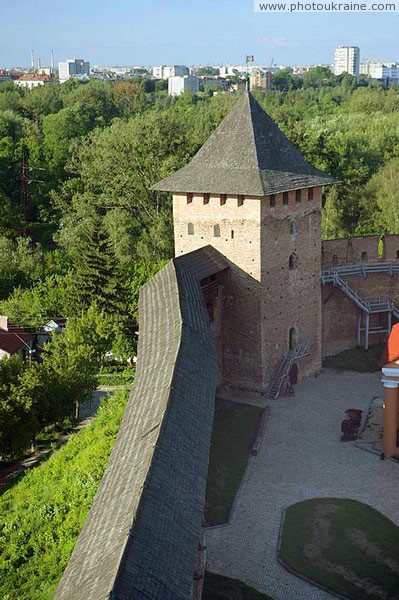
[(344, 545), (357, 359), (42, 515), (234, 431), (217, 587)]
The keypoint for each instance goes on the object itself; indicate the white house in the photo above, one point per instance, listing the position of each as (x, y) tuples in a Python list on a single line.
[(179, 85), (31, 81)]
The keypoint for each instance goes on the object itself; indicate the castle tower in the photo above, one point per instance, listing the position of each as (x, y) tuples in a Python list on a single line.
[(249, 193)]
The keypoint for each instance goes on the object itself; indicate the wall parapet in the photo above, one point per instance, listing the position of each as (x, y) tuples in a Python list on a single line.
[(140, 538), (357, 249)]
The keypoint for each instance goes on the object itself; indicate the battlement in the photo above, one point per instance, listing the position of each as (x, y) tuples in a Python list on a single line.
[(359, 249)]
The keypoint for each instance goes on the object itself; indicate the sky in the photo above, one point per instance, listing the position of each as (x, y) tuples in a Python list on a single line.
[(191, 32)]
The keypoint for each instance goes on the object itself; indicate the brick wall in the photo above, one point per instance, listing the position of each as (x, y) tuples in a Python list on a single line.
[(391, 247), (351, 250), (340, 313), (291, 296), (239, 345), (262, 298)]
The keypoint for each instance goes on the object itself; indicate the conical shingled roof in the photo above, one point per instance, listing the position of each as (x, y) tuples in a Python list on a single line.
[(246, 155)]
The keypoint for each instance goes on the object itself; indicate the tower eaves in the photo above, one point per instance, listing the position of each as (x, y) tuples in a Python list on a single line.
[(247, 154)]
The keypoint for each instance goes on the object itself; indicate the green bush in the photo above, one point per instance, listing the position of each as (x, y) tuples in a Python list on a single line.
[(41, 516)]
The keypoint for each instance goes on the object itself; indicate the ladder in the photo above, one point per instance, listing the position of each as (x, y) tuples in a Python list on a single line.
[(283, 369)]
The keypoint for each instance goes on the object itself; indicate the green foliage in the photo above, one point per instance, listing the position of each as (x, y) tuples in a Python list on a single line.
[(34, 306), (318, 76), (41, 516), (21, 263), (77, 354), (284, 80), (18, 422), (381, 200), (33, 396), (96, 276)]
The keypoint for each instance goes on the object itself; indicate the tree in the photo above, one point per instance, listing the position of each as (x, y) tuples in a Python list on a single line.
[(284, 80), (318, 76), (78, 353), (382, 199), (18, 423), (96, 274)]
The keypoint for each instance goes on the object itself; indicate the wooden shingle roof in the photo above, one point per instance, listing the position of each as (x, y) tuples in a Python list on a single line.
[(246, 155), (140, 539)]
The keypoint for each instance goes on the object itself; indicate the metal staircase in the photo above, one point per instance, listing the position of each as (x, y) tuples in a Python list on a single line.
[(382, 305), (283, 369)]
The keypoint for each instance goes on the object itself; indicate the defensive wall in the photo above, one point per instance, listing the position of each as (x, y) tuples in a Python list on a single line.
[(140, 539), (340, 314)]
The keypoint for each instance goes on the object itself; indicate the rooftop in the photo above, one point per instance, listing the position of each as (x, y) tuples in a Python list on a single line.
[(246, 155), (33, 78), (14, 339)]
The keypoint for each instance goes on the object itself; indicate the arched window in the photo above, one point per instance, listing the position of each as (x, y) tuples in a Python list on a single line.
[(397, 253), (365, 257), (292, 338), (190, 229), (293, 262), (293, 227), (335, 259), (216, 231)]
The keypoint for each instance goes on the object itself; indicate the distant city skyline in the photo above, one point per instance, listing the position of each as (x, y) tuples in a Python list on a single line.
[(191, 32)]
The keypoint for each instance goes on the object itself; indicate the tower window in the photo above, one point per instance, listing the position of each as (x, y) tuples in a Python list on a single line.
[(223, 198), (293, 262), (232, 234), (364, 257), (190, 229), (216, 231), (310, 194), (285, 198), (272, 200), (293, 228), (397, 253), (206, 198), (240, 201), (335, 259), (292, 338), (189, 198), (298, 196)]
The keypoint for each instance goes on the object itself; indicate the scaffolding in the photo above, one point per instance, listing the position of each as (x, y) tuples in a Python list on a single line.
[(367, 308)]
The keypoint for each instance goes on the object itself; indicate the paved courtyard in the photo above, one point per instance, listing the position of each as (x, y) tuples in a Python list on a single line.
[(301, 457)]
